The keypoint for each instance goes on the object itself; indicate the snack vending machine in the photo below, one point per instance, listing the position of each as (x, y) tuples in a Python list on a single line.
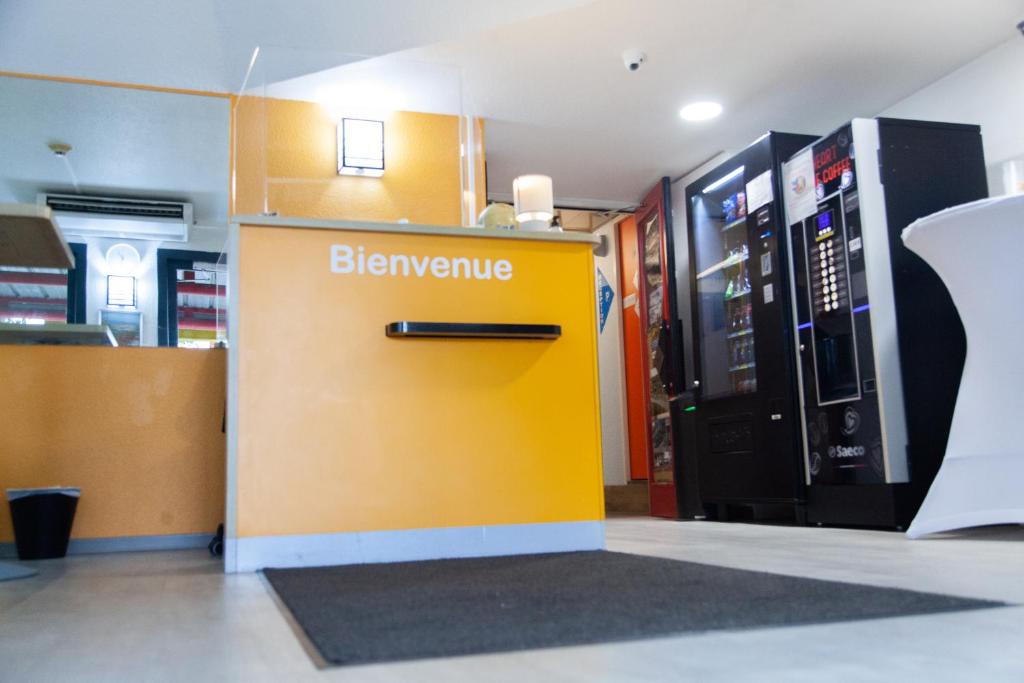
[(880, 347), (746, 420)]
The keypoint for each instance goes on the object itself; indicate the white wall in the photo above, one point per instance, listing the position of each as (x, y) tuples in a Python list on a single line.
[(201, 238), (611, 368), (988, 91)]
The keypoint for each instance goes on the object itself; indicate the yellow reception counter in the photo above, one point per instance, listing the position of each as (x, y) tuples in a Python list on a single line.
[(358, 434)]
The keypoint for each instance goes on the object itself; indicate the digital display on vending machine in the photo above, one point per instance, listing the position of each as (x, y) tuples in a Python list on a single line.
[(825, 225)]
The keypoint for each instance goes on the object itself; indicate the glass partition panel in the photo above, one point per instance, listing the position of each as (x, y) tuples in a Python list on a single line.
[(341, 137)]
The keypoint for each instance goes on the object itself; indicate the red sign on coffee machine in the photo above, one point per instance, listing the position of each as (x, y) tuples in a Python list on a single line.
[(833, 163)]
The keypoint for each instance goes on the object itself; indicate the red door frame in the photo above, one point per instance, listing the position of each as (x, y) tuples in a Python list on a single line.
[(662, 495), (634, 336)]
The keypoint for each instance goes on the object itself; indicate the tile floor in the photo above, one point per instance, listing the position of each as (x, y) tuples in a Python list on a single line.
[(175, 617)]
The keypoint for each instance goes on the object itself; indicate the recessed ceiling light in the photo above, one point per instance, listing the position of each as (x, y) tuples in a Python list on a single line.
[(700, 111)]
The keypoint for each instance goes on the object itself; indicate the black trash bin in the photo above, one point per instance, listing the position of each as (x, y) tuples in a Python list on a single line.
[(42, 520)]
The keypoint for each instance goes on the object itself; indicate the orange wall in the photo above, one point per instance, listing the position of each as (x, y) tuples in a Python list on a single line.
[(633, 340), (138, 429), (289, 148)]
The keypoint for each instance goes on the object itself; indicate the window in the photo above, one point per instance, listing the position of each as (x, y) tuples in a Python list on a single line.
[(44, 295), (192, 299)]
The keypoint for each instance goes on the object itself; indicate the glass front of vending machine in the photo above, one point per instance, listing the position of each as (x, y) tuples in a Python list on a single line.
[(727, 362)]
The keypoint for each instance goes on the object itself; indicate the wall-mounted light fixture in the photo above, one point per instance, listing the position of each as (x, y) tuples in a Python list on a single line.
[(120, 290), (534, 201), (361, 147)]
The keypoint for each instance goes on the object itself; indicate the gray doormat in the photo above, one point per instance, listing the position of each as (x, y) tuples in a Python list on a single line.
[(358, 614)]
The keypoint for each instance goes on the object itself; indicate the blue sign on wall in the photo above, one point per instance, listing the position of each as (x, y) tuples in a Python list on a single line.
[(605, 296)]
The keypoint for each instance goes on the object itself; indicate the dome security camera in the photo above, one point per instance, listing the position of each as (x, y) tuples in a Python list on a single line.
[(634, 59)]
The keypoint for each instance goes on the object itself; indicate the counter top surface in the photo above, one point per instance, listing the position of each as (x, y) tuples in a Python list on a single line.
[(64, 334), (411, 228)]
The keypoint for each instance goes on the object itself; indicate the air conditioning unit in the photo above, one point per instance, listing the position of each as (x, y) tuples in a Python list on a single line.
[(136, 219)]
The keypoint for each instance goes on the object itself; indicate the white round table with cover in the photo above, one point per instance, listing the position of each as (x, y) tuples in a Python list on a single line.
[(976, 249)]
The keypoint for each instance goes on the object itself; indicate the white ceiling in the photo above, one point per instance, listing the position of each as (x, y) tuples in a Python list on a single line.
[(559, 101), (386, 83), (125, 142), (547, 74), (207, 44)]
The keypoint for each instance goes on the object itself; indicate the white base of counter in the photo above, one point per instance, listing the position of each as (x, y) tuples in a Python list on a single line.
[(314, 550)]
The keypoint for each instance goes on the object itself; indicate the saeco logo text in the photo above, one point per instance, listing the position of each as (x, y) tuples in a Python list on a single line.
[(845, 451)]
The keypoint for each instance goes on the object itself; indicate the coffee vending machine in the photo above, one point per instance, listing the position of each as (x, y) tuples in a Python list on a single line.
[(880, 347)]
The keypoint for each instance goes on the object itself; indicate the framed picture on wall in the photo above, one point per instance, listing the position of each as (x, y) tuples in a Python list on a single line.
[(126, 326)]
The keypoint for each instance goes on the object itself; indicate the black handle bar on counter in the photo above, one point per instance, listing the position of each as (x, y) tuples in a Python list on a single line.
[(407, 328)]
